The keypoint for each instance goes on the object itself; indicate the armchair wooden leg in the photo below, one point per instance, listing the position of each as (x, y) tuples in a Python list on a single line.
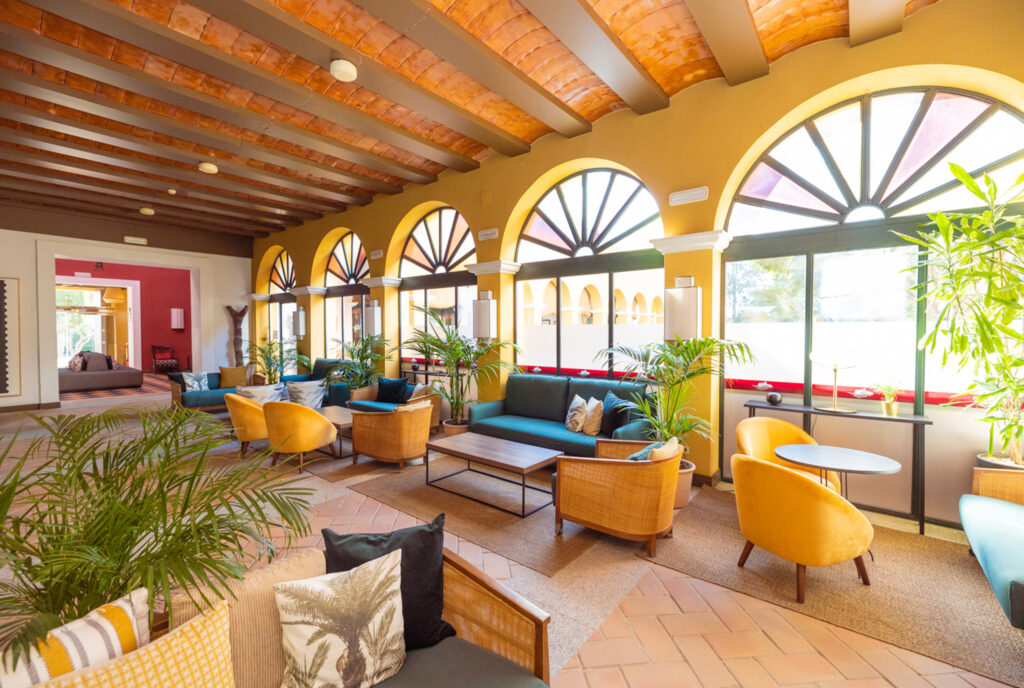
[(801, 582), (243, 449), (302, 459), (862, 570), (274, 460), (747, 548), (558, 526), (652, 546), (331, 450)]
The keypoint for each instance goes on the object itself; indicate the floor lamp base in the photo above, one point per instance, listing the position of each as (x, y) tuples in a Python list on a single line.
[(839, 409)]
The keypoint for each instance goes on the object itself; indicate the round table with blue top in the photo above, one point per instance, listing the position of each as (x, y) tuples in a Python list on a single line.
[(843, 460)]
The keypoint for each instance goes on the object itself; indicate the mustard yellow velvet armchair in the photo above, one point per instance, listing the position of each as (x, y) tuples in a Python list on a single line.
[(395, 436), (632, 500), (759, 436), (247, 419), (794, 516), (297, 429)]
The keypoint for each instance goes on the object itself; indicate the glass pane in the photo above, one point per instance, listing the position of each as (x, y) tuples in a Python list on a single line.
[(442, 302), (638, 306), (798, 152), (891, 116), (274, 332), (536, 323), (939, 377), (960, 198), (584, 322), (352, 318), (334, 335), (841, 132), (749, 219), (768, 184), (410, 319), (864, 313), (287, 331), (764, 308), (78, 332), (464, 314)]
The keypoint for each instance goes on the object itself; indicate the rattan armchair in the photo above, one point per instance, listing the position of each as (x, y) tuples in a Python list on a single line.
[(369, 393), (394, 436), (999, 483), (628, 499)]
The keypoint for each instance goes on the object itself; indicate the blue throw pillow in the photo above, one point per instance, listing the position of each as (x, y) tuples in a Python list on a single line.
[(645, 453), (392, 391), (614, 414), (407, 392)]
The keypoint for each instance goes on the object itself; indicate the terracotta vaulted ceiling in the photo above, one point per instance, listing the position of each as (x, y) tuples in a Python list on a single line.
[(107, 104)]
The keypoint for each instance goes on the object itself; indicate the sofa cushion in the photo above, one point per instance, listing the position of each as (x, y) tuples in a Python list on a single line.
[(209, 397), (237, 376), (95, 361), (589, 387), (457, 663), (576, 416), (197, 382), (372, 406), (422, 573), (309, 393), (322, 366), (613, 414), (537, 396), (261, 394), (393, 390), (538, 432)]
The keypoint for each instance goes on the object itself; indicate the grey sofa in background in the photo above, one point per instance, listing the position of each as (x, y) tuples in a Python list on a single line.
[(118, 377)]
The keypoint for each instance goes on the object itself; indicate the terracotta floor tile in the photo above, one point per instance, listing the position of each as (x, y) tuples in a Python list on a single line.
[(851, 664), (572, 678), (614, 652), (656, 641), (947, 681), (694, 623), (782, 633), (686, 596), (980, 681), (705, 662), (648, 605), (730, 612), (806, 668), (650, 584), (921, 664), (750, 673), (857, 683), (856, 641), (605, 678), (496, 566), (730, 644), (661, 675), (893, 669)]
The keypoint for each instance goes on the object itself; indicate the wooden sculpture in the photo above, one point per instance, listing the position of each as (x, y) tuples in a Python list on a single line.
[(236, 317)]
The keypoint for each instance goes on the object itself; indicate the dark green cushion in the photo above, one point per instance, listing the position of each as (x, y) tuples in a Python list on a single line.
[(645, 453), (392, 390), (207, 397), (322, 366), (457, 663), (372, 406), (537, 396), (539, 432), (337, 395), (589, 387), (995, 529)]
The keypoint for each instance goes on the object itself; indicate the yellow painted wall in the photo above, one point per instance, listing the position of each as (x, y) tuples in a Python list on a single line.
[(709, 136)]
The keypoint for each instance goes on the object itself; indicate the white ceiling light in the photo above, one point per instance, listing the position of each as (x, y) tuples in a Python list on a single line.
[(172, 191), (343, 70), (147, 211), (208, 168)]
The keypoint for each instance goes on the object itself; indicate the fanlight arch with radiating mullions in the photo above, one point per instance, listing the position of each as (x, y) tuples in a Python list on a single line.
[(439, 243), (348, 263), (879, 156), (282, 274), (587, 213)]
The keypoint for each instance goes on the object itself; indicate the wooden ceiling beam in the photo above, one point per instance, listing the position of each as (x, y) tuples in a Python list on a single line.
[(431, 28), (88, 103), (45, 120), (577, 25), (284, 30), (728, 29), (69, 181), (113, 20), (871, 19), (64, 57)]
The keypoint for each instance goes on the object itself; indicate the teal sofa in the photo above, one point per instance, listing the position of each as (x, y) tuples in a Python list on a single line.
[(533, 412), (335, 395), (995, 529)]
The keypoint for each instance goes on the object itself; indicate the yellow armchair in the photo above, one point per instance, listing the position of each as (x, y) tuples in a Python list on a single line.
[(247, 419), (794, 516), (297, 429), (759, 436), (395, 436), (632, 500)]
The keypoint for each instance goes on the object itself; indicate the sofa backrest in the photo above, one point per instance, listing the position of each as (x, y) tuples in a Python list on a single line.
[(588, 387), (322, 366), (536, 396), (212, 380)]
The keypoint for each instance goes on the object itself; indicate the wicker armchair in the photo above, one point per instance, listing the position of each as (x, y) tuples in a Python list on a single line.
[(369, 393), (628, 499), (394, 436), (999, 483)]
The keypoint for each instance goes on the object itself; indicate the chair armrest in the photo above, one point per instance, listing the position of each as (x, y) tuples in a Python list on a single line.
[(489, 615), (435, 407), (258, 379), (637, 430), (999, 483), (368, 393), (488, 409), (618, 449), (176, 391)]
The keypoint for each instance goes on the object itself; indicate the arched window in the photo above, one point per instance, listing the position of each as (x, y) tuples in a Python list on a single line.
[(345, 300), (589, 235), (433, 271), (282, 274), (282, 303)]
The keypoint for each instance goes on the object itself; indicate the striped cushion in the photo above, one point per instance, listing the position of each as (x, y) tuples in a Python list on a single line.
[(197, 655), (310, 393), (103, 634)]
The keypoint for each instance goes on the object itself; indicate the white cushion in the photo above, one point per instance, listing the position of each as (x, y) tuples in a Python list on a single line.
[(419, 390), (261, 394), (329, 621), (592, 423), (577, 414), (666, 450), (310, 393)]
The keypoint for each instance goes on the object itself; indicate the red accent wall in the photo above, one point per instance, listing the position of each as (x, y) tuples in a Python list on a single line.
[(161, 290)]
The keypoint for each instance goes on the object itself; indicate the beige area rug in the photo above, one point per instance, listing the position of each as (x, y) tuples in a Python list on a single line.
[(926, 595), (528, 541)]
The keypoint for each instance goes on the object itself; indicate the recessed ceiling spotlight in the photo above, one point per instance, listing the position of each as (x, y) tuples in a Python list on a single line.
[(208, 168), (343, 70), (147, 211), (172, 191)]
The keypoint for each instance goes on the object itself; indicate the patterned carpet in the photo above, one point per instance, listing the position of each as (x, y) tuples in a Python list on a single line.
[(152, 384)]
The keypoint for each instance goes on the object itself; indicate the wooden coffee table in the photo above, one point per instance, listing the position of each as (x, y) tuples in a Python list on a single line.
[(506, 455), (341, 418)]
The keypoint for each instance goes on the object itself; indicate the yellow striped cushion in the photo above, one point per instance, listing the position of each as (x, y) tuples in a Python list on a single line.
[(103, 634), (196, 655)]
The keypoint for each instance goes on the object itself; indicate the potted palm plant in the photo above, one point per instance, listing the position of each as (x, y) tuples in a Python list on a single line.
[(670, 370), (272, 358), (974, 264), (361, 366), (102, 504), (464, 360)]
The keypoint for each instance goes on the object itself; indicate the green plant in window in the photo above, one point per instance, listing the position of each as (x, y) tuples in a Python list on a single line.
[(975, 267), (466, 361), (361, 366), (887, 390), (272, 358), (102, 504), (672, 368)]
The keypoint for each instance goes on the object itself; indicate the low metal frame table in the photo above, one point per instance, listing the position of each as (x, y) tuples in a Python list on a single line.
[(842, 460), (506, 455), (341, 418)]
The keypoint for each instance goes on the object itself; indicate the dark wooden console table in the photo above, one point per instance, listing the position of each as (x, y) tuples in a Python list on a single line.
[(917, 423)]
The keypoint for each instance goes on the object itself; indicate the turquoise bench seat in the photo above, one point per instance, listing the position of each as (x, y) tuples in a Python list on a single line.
[(995, 529), (334, 395)]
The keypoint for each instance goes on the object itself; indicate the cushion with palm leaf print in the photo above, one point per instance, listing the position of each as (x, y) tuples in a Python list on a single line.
[(422, 573), (343, 630)]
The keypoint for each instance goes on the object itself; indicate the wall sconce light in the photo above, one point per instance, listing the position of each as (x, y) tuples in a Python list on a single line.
[(683, 310), (485, 317), (372, 319), (177, 318), (299, 323)]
